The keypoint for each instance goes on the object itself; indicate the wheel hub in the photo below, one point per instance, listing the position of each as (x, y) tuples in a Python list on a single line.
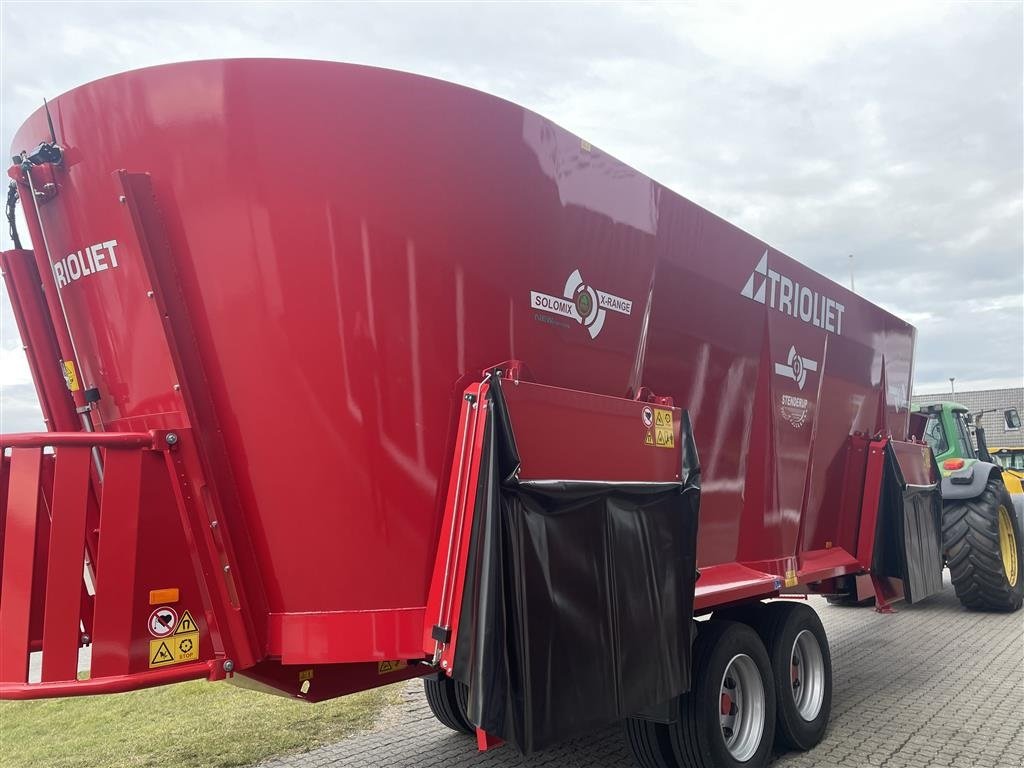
[(742, 707), (1008, 546), (807, 675)]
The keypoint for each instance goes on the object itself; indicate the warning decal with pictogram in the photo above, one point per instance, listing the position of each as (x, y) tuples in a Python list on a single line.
[(163, 620), (186, 624), (175, 649), (162, 655)]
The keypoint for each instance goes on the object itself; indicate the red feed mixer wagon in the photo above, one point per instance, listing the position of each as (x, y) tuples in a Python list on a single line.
[(353, 376)]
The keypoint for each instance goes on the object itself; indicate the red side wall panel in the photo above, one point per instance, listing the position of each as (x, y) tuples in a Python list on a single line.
[(352, 246)]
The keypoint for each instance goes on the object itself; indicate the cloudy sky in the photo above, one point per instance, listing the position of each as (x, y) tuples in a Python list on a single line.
[(892, 131)]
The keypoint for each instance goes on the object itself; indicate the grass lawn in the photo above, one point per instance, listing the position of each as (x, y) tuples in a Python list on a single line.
[(196, 724)]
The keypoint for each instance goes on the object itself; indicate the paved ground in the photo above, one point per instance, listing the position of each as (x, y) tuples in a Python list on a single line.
[(932, 685)]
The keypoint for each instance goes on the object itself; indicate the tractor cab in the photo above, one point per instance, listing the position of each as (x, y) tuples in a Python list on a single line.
[(947, 432), (949, 428)]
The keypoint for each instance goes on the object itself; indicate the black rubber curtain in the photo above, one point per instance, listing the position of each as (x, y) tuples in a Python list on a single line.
[(908, 535), (578, 604)]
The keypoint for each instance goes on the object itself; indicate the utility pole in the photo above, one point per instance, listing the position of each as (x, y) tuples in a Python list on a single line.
[(852, 289)]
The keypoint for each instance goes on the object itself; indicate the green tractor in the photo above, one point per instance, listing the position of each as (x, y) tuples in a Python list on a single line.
[(981, 523)]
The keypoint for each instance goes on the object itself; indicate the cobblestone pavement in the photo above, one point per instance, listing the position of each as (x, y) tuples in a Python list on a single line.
[(932, 685)]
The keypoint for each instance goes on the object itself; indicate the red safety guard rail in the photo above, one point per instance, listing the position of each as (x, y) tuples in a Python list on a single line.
[(45, 601)]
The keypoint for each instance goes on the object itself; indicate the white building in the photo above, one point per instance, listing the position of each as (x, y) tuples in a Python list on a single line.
[(998, 433)]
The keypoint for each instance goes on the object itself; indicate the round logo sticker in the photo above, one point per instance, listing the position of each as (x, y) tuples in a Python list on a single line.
[(162, 621), (648, 416)]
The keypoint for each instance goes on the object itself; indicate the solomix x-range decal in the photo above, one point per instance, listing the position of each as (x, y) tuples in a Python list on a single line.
[(581, 302)]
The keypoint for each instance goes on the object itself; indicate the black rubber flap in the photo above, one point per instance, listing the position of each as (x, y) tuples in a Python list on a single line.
[(578, 604), (908, 537)]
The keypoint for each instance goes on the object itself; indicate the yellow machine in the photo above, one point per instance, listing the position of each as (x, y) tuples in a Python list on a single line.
[(1011, 460)]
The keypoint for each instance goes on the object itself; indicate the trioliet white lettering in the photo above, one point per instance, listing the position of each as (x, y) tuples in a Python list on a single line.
[(88, 261), (766, 286)]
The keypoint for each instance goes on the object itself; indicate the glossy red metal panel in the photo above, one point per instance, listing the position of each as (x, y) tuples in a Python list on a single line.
[(79, 439), (116, 562), (113, 683), (5, 475), (486, 741), (143, 547), (820, 564), (66, 560), (52, 297), (872, 499), (213, 523), (842, 486), (339, 307), (36, 329), (206, 549), (444, 603), (319, 638), (40, 562), (732, 583), (916, 463), (19, 561), (563, 434), (324, 681)]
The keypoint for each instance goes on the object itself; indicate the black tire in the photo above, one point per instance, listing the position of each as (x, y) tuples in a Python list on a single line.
[(699, 738), (650, 743), (782, 623), (448, 700), (850, 601), (982, 578), (696, 739), (748, 613)]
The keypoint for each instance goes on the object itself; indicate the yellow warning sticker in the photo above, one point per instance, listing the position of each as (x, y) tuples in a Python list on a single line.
[(175, 649), (186, 624), (663, 434), (70, 375), (791, 579), (305, 674), (649, 440), (389, 666)]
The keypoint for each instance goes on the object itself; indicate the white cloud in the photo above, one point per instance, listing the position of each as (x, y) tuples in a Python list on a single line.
[(13, 367), (892, 131)]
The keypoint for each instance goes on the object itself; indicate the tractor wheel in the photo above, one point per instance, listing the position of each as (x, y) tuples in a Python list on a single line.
[(802, 665), (448, 699), (985, 549), (727, 718)]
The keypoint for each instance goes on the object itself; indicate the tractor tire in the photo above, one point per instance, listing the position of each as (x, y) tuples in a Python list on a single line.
[(985, 549), (730, 669), (802, 665), (448, 701)]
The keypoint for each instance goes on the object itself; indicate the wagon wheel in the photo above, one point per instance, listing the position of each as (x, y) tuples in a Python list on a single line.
[(448, 701), (802, 666), (727, 719)]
